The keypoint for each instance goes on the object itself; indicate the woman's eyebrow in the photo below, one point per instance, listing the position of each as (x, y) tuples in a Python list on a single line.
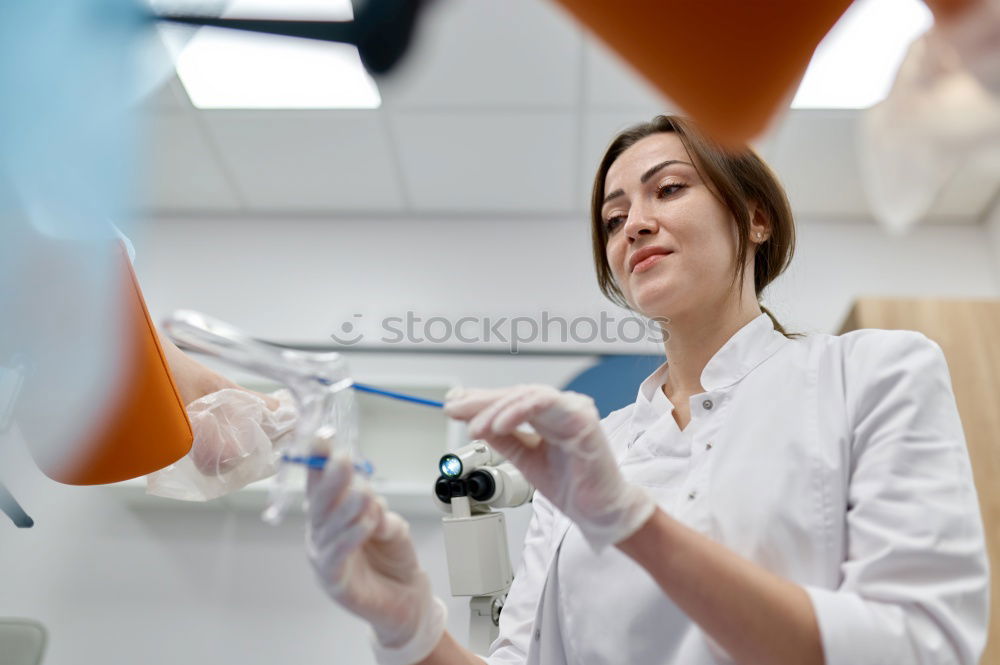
[(644, 178), (651, 172)]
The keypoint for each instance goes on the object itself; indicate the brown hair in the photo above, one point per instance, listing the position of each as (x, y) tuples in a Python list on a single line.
[(737, 179)]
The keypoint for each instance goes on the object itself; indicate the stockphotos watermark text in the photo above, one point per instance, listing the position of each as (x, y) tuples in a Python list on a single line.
[(514, 331)]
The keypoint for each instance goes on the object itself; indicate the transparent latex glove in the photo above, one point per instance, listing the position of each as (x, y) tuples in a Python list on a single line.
[(234, 445), (941, 115), (364, 559), (572, 464)]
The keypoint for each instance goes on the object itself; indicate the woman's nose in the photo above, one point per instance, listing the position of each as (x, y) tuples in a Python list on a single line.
[(639, 223)]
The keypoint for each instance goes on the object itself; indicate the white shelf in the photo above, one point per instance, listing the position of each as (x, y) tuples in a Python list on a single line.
[(408, 499)]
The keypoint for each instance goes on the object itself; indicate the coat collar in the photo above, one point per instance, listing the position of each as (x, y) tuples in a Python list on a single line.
[(751, 345)]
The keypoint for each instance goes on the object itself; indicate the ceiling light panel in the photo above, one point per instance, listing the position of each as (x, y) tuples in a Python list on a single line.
[(233, 69), (856, 63)]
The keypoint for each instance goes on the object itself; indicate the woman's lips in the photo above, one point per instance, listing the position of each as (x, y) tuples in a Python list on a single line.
[(648, 262)]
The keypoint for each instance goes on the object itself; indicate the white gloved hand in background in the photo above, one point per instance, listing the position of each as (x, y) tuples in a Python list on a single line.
[(234, 445), (941, 119), (364, 558), (572, 465)]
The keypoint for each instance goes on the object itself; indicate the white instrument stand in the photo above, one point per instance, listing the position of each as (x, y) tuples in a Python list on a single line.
[(478, 566), (475, 538)]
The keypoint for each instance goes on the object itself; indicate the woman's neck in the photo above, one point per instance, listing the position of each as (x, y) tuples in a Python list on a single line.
[(693, 339)]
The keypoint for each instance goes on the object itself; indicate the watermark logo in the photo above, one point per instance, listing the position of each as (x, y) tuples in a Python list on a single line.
[(349, 333), (513, 331)]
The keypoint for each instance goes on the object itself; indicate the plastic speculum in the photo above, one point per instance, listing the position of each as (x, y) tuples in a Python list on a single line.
[(319, 382)]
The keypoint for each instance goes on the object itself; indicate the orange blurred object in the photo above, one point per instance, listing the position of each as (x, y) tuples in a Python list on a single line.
[(145, 426), (730, 66)]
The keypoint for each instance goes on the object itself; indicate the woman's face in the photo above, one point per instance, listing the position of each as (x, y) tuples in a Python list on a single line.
[(670, 241)]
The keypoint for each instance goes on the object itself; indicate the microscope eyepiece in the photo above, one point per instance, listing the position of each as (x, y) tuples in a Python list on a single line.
[(478, 472), (481, 485)]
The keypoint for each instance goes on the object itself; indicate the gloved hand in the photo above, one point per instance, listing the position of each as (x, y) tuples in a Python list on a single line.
[(572, 465), (364, 558), (234, 445), (232, 425)]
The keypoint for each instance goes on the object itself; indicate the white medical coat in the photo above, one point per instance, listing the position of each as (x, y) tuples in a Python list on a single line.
[(837, 462)]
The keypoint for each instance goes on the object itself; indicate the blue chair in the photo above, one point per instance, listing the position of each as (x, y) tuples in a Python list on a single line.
[(614, 380)]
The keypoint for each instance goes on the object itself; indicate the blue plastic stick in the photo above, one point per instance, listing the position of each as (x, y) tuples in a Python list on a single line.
[(400, 396), (319, 462)]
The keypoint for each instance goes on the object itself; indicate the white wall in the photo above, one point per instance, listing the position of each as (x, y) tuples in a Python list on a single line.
[(837, 263), (172, 583), (300, 280)]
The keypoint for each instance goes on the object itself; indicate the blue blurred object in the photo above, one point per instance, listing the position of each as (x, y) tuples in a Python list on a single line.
[(319, 462), (614, 381), (12, 509), (67, 72)]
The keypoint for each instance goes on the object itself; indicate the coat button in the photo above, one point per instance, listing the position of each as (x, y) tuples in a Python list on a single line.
[(538, 634), (692, 494), (708, 446), (707, 405)]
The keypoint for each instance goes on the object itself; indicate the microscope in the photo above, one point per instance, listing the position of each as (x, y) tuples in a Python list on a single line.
[(474, 480)]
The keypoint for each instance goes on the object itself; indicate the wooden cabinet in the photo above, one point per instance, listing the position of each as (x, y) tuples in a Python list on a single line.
[(968, 332)]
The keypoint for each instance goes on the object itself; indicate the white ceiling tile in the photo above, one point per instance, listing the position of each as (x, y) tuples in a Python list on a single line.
[(814, 154), (766, 143), (179, 171), (611, 83), (764, 148), (599, 128), (489, 54), (308, 161), (499, 107), (488, 162)]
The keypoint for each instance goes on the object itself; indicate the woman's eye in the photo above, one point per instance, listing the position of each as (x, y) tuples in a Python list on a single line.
[(613, 223), (668, 189)]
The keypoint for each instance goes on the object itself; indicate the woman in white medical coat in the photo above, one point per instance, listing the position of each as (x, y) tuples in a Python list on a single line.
[(768, 498)]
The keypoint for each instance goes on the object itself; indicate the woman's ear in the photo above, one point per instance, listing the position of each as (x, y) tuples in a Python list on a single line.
[(760, 227)]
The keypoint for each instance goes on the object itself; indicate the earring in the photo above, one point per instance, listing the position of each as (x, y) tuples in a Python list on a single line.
[(759, 236)]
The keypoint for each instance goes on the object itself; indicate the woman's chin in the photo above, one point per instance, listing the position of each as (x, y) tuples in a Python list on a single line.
[(657, 303)]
